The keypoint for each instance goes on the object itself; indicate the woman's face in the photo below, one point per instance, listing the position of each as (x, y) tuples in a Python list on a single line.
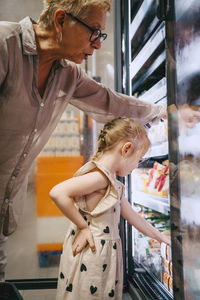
[(76, 45)]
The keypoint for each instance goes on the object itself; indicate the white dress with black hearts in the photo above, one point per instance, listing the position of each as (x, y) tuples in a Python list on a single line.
[(95, 275)]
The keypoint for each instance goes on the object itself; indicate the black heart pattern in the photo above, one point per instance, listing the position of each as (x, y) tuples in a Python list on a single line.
[(85, 218), (111, 294), (103, 242), (106, 230), (62, 275), (115, 246), (93, 289), (104, 267), (116, 282), (69, 288), (88, 223), (73, 232), (114, 210), (83, 268)]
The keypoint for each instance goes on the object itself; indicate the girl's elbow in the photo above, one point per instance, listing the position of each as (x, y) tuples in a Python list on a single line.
[(53, 194)]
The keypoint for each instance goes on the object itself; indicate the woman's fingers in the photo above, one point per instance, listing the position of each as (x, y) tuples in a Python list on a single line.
[(188, 116)]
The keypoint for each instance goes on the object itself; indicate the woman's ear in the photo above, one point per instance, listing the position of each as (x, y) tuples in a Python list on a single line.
[(59, 17), (126, 149)]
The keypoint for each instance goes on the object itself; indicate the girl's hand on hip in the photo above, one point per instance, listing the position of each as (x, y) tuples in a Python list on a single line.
[(83, 237)]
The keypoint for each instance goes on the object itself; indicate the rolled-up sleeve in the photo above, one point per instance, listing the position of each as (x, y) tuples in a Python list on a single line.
[(104, 104)]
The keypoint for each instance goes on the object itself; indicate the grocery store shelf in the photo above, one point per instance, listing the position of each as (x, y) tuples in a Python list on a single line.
[(157, 93), (158, 150), (146, 284), (153, 202), (148, 50)]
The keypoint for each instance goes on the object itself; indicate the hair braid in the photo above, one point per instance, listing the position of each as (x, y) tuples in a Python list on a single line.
[(121, 129)]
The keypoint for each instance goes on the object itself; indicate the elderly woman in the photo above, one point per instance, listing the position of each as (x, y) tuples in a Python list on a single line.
[(38, 78)]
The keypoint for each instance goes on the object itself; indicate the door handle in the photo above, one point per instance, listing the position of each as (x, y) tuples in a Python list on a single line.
[(162, 9)]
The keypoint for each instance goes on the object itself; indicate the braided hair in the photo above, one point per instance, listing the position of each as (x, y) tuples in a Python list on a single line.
[(121, 129)]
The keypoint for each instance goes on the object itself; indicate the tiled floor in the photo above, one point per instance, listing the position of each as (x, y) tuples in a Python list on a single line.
[(23, 257)]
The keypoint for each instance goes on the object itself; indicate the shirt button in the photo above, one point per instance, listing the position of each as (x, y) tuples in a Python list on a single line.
[(13, 177), (35, 130), (6, 200), (25, 154), (42, 104)]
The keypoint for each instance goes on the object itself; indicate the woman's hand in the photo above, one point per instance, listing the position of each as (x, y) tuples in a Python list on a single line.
[(188, 117), (83, 237)]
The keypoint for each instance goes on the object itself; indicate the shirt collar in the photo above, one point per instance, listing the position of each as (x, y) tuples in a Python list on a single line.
[(28, 36), (29, 42)]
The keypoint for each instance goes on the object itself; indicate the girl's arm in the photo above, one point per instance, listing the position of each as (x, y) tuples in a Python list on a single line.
[(141, 224), (63, 193)]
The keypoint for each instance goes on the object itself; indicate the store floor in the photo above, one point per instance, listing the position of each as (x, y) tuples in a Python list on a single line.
[(23, 256), (50, 295)]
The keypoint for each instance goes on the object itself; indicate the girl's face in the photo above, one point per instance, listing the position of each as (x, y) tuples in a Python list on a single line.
[(130, 162)]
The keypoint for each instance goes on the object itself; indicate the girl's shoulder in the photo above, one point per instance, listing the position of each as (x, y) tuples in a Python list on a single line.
[(86, 168), (91, 166)]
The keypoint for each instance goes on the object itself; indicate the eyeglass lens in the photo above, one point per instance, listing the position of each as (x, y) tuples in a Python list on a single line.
[(97, 34)]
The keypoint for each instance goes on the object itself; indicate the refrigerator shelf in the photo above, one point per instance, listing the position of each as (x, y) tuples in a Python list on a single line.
[(160, 149), (148, 285), (156, 203)]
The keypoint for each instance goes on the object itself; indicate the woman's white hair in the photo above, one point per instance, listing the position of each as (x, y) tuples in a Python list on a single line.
[(75, 7)]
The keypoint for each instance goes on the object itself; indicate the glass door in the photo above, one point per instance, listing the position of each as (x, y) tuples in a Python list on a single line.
[(148, 265), (183, 37), (161, 42)]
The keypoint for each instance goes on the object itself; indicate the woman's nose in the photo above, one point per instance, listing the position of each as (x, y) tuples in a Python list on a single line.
[(97, 44)]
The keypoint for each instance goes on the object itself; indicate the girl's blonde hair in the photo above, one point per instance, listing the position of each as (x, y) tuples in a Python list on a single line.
[(75, 7), (122, 129)]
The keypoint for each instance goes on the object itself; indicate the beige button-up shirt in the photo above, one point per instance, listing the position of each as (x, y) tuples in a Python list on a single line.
[(27, 119)]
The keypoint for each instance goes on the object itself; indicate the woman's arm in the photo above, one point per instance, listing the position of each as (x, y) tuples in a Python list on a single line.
[(104, 104), (63, 193), (3, 59), (140, 223)]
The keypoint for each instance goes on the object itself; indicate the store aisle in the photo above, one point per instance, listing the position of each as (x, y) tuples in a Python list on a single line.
[(22, 246)]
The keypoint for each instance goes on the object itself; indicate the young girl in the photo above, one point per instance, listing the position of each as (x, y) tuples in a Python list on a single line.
[(91, 262)]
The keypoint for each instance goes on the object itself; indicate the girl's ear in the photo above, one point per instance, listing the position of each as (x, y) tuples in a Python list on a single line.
[(126, 149)]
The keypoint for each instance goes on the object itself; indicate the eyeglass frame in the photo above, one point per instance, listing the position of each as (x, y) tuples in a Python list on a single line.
[(99, 34)]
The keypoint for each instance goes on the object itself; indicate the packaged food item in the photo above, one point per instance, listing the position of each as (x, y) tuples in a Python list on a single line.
[(167, 273), (167, 281), (154, 181), (158, 133), (158, 181), (170, 287), (140, 179), (190, 178), (166, 252)]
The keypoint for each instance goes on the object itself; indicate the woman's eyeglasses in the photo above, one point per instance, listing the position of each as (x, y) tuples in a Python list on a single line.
[(96, 33)]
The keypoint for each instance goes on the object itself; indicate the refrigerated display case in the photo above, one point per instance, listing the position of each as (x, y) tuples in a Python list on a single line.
[(183, 31), (159, 63)]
